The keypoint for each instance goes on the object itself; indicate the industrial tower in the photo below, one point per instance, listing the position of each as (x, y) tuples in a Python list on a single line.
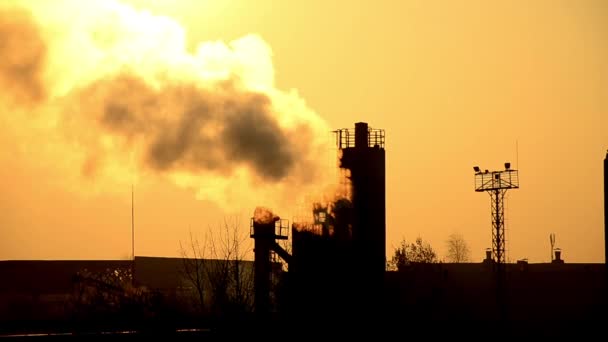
[(265, 229), (363, 154), (496, 183), (339, 267)]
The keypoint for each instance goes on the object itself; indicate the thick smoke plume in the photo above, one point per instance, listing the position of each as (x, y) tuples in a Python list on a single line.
[(107, 94), (185, 127)]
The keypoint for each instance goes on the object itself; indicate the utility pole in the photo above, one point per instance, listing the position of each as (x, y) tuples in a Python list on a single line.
[(552, 241)]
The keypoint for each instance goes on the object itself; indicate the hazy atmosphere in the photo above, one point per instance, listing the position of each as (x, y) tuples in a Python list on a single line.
[(100, 96)]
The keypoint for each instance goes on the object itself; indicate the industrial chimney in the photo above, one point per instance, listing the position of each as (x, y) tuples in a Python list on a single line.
[(265, 229), (558, 257), (364, 155)]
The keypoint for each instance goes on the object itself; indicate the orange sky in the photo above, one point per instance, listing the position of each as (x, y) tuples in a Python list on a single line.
[(454, 84)]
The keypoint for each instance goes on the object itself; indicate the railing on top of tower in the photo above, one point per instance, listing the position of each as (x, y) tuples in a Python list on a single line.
[(345, 137), (496, 180), (279, 229)]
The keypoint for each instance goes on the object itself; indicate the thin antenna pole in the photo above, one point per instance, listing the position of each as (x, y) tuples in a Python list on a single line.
[(552, 240), (132, 225), (132, 237), (516, 155)]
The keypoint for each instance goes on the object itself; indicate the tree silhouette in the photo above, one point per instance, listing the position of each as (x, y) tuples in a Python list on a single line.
[(458, 250), (193, 268), (418, 252), (216, 270), (231, 283)]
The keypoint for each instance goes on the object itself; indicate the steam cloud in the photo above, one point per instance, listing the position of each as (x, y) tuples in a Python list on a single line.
[(117, 93), (23, 54)]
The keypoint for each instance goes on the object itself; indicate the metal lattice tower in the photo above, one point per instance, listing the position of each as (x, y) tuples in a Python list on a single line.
[(496, 183)]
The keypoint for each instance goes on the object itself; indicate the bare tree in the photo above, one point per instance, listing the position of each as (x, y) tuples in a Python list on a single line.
[(418, 252), (231, 282), (458, 250), (217, 269), (194, 268), (241, 297)]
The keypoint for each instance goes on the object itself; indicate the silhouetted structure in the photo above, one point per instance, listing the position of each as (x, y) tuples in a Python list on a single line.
[(336, 278), (321, 273), (606, 211), (545, 299), (266, 228), (558, 257), (364, 156), (338, 261), (496, 183)]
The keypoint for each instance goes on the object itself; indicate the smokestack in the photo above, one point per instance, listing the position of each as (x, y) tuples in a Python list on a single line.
[(361, 137), (265, 229), (488, 255), (366, 162), (558, 257)]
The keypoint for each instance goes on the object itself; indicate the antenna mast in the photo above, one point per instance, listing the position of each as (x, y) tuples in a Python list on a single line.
[(132, 226), (516, 154), (552, 241), (132, 238)]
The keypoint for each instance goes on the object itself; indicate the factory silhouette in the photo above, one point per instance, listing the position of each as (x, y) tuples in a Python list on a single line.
[(332, 278)]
